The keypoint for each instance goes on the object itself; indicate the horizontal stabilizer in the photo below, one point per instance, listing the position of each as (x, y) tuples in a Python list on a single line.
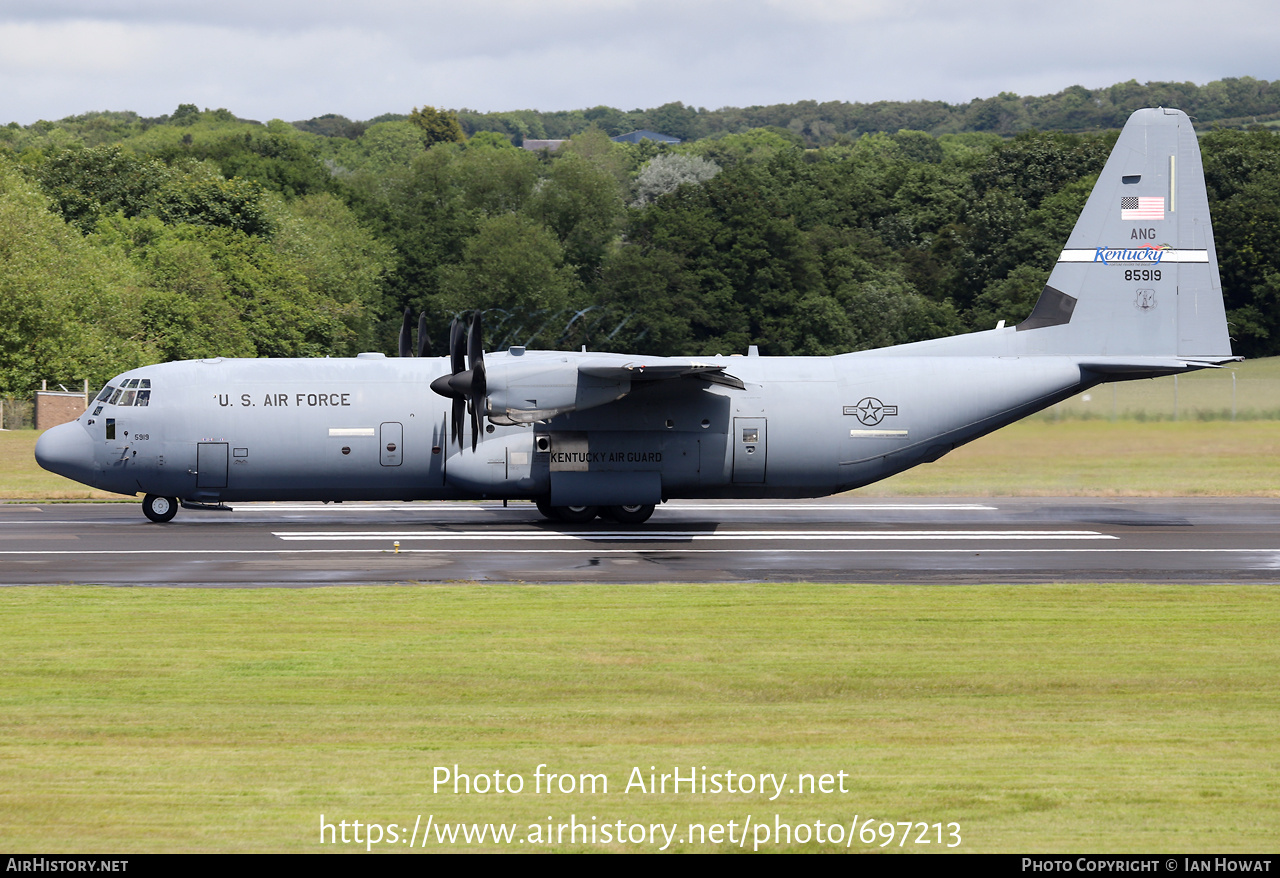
[(1118, 368)]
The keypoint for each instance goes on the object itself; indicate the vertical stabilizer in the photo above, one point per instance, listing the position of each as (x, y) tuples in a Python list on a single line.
[(1139, 274)]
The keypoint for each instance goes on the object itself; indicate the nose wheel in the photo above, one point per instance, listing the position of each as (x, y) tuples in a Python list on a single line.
[(159, 509)]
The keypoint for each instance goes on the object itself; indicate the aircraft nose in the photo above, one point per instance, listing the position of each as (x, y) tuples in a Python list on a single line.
[(68, 451)]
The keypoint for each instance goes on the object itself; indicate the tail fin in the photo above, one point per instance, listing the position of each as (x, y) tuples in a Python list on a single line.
[(1139, 275)]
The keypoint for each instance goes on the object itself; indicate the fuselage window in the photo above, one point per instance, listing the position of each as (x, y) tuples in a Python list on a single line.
[(111, 428)]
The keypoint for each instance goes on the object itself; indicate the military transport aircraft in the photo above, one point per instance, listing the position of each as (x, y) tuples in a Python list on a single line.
[(1135, 294)]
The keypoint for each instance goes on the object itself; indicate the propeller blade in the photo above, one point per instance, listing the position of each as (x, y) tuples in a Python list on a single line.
[(478, 385), (455, 421), (475, 349), (424, 340), (457, 347), (406, 348)]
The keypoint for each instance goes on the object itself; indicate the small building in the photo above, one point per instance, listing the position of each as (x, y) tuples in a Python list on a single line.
[(645, 134), (53, 408)]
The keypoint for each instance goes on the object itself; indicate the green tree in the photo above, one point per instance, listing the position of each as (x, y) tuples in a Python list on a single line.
[(321, 239), (381, 148), (515, 268), (279, 158), (437, 126), (582, 204), (204, 198), (87, 184), (69, 311), (1242, 173)]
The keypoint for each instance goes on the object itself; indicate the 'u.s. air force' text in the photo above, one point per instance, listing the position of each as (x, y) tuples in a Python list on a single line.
[(290, 400)]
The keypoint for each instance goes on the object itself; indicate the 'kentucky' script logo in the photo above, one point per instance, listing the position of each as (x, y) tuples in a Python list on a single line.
[(1145, 253)]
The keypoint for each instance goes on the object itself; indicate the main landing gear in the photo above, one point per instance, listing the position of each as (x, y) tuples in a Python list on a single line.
[(637, 514), (159, 509)]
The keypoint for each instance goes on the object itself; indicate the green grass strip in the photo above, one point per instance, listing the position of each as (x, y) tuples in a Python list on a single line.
[(1111, 718)]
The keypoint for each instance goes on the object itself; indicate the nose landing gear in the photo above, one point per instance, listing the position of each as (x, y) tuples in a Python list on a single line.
[(159, 509)]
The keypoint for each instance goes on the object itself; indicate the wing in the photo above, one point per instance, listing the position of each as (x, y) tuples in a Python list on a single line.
[(535, 386), (661, 369)]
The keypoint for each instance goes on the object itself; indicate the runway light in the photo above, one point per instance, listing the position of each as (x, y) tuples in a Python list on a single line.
[(397, 545)]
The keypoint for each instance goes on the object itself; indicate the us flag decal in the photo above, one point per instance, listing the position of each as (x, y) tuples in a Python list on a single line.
[(1142, 208)]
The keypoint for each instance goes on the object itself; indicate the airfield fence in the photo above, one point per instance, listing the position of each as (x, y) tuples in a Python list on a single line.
[(17, 413)]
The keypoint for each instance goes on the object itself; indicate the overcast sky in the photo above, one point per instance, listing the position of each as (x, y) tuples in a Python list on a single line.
[(293, 60)]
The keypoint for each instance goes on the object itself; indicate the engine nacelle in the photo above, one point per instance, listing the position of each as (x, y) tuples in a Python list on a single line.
[(530, 388)]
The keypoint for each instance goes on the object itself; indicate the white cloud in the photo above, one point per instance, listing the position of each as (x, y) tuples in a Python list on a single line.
[(300, 59)]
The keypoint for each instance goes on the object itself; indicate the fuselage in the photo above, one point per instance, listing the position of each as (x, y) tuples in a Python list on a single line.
[(369, 428)]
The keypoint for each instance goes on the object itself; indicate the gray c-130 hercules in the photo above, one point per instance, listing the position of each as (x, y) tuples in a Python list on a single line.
[(1135, 294)]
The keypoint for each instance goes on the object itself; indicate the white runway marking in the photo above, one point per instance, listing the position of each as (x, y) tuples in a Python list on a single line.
[(445, 506), (1273, 553), (699, 535)]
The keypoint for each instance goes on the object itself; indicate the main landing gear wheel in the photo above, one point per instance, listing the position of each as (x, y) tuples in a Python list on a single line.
[(638, 514), (159, 509), (568, 514)]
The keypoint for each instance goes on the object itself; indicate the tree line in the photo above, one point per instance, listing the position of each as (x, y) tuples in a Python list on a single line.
[(125, 241)]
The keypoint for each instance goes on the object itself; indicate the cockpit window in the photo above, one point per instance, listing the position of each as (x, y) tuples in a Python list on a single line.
[(131, 391)]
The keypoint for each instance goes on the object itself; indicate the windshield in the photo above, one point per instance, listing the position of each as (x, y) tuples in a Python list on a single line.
[(130, 392)]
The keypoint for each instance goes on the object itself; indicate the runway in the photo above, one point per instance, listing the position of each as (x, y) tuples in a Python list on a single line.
[(831, 540)]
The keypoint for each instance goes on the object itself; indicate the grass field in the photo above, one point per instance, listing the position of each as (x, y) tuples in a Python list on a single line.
[(1104, 458), (1090, 718), (1242, 391)]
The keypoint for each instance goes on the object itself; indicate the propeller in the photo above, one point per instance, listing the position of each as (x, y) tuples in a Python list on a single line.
[(406, 335), (466, 383)]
